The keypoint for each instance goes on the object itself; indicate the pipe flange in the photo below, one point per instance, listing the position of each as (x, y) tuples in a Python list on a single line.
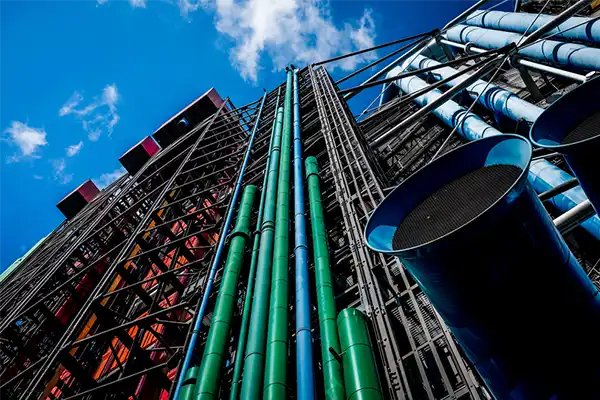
[(468, 47)]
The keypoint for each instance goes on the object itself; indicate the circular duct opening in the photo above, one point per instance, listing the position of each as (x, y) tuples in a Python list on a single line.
[(586, 129), (454, 204)]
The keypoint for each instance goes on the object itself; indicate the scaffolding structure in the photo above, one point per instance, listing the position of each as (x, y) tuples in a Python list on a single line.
[(107, 304)]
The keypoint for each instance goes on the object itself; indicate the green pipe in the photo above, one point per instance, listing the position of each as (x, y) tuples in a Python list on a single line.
[(275, 384), (241, 346), (360, 371), (189, 383), (332, 369), (207, 381), (254, 360)]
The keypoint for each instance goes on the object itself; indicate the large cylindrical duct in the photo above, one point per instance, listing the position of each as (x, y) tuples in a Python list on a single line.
[(304, 357), (254, 359), (492, 97), (332, 369), (474, 235), (207, 382), (360, 371), (571, 126), (575, 28), (543, 174), (551, 51), (276, 359), (470, 126), (243, 333)]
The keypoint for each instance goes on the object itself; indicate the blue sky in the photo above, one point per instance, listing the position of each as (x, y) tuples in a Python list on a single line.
[(83, 81)]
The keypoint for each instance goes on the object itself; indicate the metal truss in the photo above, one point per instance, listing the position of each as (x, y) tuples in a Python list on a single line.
[(418, 356), (109, 296)]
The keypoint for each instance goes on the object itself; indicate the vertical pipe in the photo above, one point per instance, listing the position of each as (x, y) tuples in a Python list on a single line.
[(332, 369), (189, 383), (243, 335), (275, 382), (360, 371), (217, 260), (304, 360), (254, 360), (207, 382)]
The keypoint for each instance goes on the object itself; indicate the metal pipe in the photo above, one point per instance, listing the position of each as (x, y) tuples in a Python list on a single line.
[(254, 359), (470, 125), (189, 383), (438, 98), (490, 96), (521, 61), (275, 381), (360, 370), (382, 59), (304, 361), (543, 176), (574, 217), (551, 51), (418, 48), (563, 187), (551, 70), (405, 74), (332, 368), (575, 28), (217, 260), (355, 53), (243, 335), (207, 381), (549, 25)]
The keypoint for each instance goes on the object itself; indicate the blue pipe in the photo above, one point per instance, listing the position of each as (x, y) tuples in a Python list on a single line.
[(588, 31), (471, 127), (503, 279), (554, 129), (543, 177), (492, 97), (304, 360), (567, 54), (217, 260)]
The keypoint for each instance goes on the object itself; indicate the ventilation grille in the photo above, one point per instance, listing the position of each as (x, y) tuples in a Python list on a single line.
[(454, 204), (590, 127)]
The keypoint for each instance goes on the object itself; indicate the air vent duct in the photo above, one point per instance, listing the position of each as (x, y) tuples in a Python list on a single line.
[(476, 238)]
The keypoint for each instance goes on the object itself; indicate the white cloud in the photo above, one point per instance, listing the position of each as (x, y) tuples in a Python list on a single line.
[(106, 179), (59, 171), (38, 177), (28, 139), (99, 115), (138, 3), (288, 31), (74, 149), (70, 105), (188, 6)]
